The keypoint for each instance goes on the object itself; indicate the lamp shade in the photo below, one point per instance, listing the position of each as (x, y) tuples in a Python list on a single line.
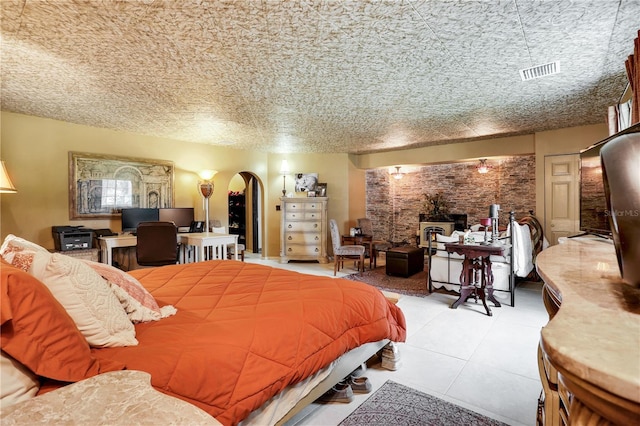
[(6, 186), (284, 168)]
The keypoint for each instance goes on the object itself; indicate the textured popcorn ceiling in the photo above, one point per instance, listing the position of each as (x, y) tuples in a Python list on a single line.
[(316, 75)]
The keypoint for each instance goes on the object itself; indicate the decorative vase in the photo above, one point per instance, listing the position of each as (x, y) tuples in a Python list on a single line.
[(620, 159)]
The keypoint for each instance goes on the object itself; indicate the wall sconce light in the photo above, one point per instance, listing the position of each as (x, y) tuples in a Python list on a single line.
[(205, 186), (483, 167), (6, 186), (284, 171), (397, 174)]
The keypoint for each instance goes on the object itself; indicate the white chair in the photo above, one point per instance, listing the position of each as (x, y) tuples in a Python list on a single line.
[(230, 247), (341, 252)]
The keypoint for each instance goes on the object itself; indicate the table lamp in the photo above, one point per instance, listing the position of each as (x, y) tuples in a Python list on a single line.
[(205, 186)]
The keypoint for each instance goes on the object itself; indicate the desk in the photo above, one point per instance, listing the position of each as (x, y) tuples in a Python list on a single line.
[(361, 240), (200, 240), (476, 262)]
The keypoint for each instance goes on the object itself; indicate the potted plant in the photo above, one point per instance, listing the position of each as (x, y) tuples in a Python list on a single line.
[(436, 207)]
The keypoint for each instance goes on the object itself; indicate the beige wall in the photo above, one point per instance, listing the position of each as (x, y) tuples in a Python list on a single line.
[(36, 150), (36, 153)]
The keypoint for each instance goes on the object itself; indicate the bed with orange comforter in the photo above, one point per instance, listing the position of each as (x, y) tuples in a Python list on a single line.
[(244, 332)]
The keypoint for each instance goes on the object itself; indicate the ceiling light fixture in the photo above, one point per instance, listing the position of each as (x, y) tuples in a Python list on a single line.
[(483, 167), (397, 174)]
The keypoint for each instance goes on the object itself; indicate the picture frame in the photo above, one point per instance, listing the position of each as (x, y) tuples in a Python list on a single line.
[(100, 186), (311, 193), (321, 190), (306, 182)]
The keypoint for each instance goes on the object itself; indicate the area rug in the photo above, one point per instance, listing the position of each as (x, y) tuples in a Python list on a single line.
[(396, 404), (415, 285)]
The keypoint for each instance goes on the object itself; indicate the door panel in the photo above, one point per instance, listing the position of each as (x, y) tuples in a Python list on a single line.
[(561, 196)]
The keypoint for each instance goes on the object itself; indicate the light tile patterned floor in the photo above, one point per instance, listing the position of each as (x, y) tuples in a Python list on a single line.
[(486, 364)]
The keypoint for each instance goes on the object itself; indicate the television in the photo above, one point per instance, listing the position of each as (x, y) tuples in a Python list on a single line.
[(132, 217), (180, 216), (594, 215)]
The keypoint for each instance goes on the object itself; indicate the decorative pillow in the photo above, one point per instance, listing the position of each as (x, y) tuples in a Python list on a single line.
[(19, 252), (13, 243), (84, 294), (18, 382), (40, 334), (137, 302)]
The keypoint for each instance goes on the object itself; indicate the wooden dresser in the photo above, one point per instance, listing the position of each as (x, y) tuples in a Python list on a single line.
[(303, 229), (589, 352)]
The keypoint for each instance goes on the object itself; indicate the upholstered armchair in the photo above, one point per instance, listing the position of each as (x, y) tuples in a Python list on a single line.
[(340, 252)]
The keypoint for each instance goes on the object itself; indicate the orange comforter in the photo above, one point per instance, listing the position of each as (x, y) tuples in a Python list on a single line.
[(243, 332)]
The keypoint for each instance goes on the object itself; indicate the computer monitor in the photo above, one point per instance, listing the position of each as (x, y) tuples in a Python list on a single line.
[(132, 217), (180, 216)]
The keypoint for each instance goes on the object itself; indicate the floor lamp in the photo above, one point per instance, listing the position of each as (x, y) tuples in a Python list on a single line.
[(205, 186)]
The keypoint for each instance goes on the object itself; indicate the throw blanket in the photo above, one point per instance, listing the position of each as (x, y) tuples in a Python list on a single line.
[(522, 250), (243, 332)]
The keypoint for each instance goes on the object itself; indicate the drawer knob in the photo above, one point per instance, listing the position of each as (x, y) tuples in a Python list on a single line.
[(289, 249), (317, 238), (289, 226), (317, 249), (289, 238), (315, 225)]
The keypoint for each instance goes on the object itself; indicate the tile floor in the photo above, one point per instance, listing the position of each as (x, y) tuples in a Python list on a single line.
[(486, 364)]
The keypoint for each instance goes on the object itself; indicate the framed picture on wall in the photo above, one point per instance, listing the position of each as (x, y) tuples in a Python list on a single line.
[(100, 186), (306, 182), (321, 190)]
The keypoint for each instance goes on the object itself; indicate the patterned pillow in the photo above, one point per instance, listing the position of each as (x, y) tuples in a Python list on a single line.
[(19, 252), (137, 302)]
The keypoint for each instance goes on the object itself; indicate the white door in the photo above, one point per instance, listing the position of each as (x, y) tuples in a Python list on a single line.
[(561, 197)]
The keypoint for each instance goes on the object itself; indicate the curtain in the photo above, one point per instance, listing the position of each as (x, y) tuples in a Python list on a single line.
[(632, 65)]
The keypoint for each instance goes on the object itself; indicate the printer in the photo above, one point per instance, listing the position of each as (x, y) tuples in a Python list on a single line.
[(72, 238)]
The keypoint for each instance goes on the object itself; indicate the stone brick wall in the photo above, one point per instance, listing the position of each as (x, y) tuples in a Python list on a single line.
[(394, 205)]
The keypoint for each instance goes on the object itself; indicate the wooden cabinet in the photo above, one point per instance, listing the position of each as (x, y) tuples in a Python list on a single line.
[(589, 351), (303, 229), (237, 216)]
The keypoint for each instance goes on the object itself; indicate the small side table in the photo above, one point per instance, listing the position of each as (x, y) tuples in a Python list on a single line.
[(476, 270), (362, 240)]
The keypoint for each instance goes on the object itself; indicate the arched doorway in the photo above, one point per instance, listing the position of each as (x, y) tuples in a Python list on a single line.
[(245, 210)]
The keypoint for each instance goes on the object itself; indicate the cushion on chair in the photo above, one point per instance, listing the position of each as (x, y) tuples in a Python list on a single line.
[(350, 250)]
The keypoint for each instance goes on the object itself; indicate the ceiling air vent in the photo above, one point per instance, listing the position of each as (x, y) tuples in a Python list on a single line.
[(540, 71)]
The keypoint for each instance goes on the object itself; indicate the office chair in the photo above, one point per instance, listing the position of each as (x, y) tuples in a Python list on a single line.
[(157, 244)]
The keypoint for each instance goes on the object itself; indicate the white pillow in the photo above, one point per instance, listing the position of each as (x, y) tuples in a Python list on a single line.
[(18, 382), (87, 298)]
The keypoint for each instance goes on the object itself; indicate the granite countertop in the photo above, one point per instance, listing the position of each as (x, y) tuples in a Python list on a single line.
[(115, 398), (595, 336)]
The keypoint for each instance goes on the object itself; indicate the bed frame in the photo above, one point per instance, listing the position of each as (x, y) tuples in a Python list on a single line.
[(535, 230), (346, 364)]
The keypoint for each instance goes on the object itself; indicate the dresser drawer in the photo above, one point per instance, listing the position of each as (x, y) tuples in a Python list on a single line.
[(303, 215), (302, 227), (304, 207), (312, 238), (302, 250)]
